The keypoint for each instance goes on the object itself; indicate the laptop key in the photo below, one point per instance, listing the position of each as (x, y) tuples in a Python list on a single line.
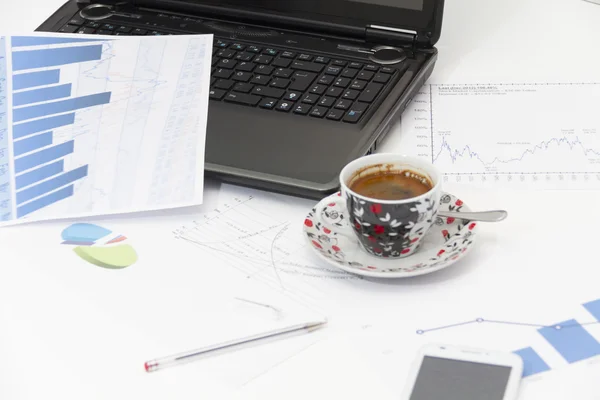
[(268, 103), (254, 49), (226, 63), (104, 32), (310, 99), (305, 57), (318, 89), (335, 115), (283, 72), (327, 101), (244, 56), (365, 75), (123, 29), (334, 92), (212, 81), (216, 94), (263, 59), (242, 76), (221, 44), (282, 62), (370, 92), (264, 69), (381, 78), (358, 85), (355, 65), (343, 104), (284, 105), (302, 80), (242, 98), (326, 80), (355, 112), (243, 87), (108, 27), (93, 24), (76, 20), (340, 63), (319, 112), (307, 66), (138, 31), (293, 96), (331, 70), (224, 84), (237, 46), (322, 60), (302, 109), (260, 79), (69, 29), (387, 70), (267, 91), (371, 67), (245, 66), (350, 94), (288, 54), (86, 30), (342, 82), (223, 73), (280, 83), (225, 53), (349, 73), (270, 52)]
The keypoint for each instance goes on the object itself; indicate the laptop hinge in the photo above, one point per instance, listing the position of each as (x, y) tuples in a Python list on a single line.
[(391, 36)]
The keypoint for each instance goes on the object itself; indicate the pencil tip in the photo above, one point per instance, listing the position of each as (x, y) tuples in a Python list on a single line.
[(315, 325)]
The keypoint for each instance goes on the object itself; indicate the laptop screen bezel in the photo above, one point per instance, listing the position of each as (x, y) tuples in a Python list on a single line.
[(427, 22)]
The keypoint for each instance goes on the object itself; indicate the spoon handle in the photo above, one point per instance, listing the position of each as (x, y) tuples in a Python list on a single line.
[(484, 216)]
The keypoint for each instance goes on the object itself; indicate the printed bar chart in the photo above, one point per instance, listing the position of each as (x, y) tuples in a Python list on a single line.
[(32, 143), (532, 362), (593, 307), (30, 59), (40, 95), (45, 201), (28, 80), (5, 184), (56, 107), (42, 157), (40, 125), (25, 41), (39, 174), (573, 342), (50, 185)]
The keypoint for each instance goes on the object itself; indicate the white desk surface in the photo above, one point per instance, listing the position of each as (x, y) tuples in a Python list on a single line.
[(486, 41)]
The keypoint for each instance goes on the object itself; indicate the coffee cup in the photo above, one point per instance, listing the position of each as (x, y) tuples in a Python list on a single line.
[(390, 201)]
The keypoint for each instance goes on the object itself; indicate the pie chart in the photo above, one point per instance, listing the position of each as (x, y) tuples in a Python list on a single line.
[(99, 246)]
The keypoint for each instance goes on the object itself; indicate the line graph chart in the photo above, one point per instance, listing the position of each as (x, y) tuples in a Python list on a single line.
[(570, 338), (542, 134)]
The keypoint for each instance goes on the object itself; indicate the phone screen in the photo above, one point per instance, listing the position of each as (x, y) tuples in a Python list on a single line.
[(447, 379)]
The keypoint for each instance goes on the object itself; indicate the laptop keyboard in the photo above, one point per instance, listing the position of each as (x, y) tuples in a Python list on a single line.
[(277, 79)]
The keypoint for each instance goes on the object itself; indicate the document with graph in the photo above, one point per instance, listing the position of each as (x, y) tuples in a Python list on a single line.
[(535, 135), (101, 125)]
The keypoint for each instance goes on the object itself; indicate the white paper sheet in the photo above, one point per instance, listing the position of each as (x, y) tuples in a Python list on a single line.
[(535, 135), (101, 125)]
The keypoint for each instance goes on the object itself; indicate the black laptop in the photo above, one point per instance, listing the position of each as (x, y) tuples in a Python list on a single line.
[(299, 87)]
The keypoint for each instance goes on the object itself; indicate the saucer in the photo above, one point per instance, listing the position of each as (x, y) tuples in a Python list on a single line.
[(448, 241)]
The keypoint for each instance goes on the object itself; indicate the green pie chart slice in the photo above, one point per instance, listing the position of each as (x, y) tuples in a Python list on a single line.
[(114, 257)]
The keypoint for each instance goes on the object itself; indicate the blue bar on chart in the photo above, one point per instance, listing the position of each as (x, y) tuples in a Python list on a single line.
[(30, 59), (572, 341), (21, 114), (532, 362), (5, 181), (32, 143), (593, 307), (23, 41), (39, 174), (33, 79), (41, 125), (44, 201), (51, 184), (44, 156), (40, 95)]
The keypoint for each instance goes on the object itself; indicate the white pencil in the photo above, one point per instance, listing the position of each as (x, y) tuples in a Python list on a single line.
[(169, 361)]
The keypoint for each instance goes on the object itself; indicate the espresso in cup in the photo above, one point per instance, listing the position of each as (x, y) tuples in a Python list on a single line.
[(391, 185)]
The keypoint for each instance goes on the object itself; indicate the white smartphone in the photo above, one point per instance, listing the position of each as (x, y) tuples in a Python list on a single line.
[(442, 372)]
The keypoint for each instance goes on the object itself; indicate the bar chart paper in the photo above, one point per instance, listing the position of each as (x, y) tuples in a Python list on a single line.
[(101, 125)]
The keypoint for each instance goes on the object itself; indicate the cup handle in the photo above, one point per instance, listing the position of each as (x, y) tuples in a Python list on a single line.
[(332, 215)]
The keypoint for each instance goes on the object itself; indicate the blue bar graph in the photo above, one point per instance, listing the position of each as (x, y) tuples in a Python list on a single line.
[(44, 156), (21, 114), (33, 79), (23, 60), (36, 175), (22, 41), (573, 342), (32, 143), (41, 125), (43, 94), (532, 362), (44, 201), (51, 184), (593, 308)]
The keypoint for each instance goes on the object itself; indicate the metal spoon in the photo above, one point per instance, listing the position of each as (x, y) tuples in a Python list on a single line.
[(483, 216)]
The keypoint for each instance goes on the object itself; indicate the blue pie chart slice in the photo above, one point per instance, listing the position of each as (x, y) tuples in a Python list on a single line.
[(84, 234)]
